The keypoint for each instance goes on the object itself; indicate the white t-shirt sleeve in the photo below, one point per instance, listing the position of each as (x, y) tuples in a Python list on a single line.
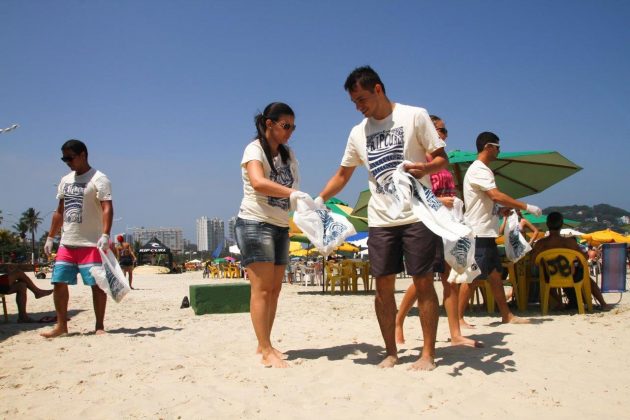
[(60, 189), (103, 188), (253, 151), (426, 134), (351, 156), (483, 179)]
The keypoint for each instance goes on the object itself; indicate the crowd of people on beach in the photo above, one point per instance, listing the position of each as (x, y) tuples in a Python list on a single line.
[(390, 136)]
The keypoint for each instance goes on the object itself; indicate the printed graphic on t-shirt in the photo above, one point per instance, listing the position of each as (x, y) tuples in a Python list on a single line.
[(384, 154), (282, 176), (73, 202)]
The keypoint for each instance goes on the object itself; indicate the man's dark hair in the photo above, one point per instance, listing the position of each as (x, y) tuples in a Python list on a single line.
[(435, 118), (77, 146), (485, 138), (555, 221), (365, 77)]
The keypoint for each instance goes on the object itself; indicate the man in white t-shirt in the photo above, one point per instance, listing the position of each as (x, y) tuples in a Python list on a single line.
[(482, 199), (389, 134), (85, 213)]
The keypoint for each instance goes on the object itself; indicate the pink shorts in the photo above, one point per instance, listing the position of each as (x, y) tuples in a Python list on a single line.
[(72, 261)]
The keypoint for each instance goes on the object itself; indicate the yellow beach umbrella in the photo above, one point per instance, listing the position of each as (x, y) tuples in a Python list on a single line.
[(604, 237)]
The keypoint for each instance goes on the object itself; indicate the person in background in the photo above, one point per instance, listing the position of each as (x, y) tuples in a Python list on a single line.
[(482, 199), (270, 175), (555, 240), (443, 187), (18, 282), (126, 258), (85, 211)]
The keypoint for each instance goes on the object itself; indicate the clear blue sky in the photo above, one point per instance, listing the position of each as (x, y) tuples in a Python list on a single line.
[(164, 92)]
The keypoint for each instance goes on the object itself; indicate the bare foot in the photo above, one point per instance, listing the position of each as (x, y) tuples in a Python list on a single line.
[(466, 325), (57, 331), (272, 360), (513, 319), (388, 362), (400, 335), (100, 332), (423, 363), (277, 352), (43, 293), (466, 342)]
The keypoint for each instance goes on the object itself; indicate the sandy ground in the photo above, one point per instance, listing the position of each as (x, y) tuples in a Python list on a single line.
[(160, 361)]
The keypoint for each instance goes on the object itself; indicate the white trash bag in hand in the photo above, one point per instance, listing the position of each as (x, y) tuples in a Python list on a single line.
[(110, 277), (516, 246), (325, 230)]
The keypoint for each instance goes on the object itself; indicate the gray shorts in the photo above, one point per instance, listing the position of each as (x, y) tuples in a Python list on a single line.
[(262, 242)]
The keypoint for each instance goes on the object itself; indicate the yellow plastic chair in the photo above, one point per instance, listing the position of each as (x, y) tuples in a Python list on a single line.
[(337, 273), (556, 269)]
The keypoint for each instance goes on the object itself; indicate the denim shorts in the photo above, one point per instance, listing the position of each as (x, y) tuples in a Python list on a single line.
[(262, 242)]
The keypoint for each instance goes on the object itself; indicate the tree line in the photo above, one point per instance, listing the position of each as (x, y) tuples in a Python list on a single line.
[(14, 243)]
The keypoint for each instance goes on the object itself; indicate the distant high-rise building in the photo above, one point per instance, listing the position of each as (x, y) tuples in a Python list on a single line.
[(216, 233), (169, 236), (232, 229), (203, 234)]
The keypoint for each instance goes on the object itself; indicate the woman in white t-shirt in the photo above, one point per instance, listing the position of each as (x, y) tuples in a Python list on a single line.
[(270, 174)]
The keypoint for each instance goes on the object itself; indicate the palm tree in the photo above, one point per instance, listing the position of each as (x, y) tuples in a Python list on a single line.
[(21, 228), (32, 220)]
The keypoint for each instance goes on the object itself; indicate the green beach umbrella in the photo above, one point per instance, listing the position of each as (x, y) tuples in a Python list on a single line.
[(518, 174)]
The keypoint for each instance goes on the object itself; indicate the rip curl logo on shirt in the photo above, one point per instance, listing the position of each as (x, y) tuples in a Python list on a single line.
[(332, 229), (384, 154), (73, 202), (282, 176), (460, 250)]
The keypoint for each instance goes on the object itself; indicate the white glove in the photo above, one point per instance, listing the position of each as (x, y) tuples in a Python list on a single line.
[(535, 210), (103, 242), (319, 203), (48, 247)]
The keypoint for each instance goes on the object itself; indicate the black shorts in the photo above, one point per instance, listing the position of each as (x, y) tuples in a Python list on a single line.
[(388, 245), (439, 263), (4, 283), (487, 257)]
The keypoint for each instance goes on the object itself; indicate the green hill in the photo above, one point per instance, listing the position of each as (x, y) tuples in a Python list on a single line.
[(598, 217)]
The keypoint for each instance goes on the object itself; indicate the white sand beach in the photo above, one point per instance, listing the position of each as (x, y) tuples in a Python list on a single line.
[(160, 361)]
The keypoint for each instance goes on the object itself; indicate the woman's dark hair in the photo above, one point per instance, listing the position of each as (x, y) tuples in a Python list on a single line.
[(77, 146), (272, 112)]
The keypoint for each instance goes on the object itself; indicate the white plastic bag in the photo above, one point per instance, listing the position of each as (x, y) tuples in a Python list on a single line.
[(110, 277), (467, 276), (325, 230), (459, 241), (515, 244)]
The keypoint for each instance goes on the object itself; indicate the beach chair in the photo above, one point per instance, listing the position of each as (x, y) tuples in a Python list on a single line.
[(337, 273), (556, 268), (613, 274)]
